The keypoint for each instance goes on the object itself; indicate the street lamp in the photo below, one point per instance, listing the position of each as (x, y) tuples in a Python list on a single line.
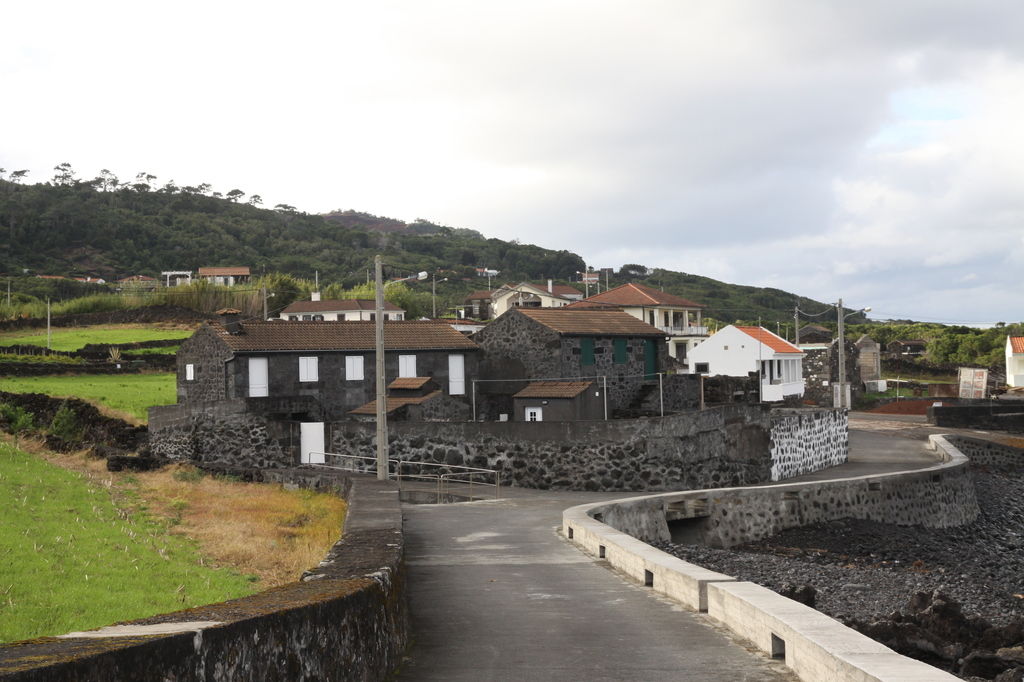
[(382, 407), (433, 294)]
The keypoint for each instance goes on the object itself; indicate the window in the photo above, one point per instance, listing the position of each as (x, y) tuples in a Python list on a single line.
[(307, 318), (318, 318), (353, 368), (308, 369), (406, 365), (190, 372), (259, 381), (620, 351), (586, 351), (293, 318), (534, 414), (702, 368)]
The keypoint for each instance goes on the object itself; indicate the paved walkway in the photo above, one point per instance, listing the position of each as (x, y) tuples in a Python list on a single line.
[(496, 593)]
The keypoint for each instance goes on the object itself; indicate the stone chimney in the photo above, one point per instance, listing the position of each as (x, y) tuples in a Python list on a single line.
[(551, 286), (229, 320), (315, 296)]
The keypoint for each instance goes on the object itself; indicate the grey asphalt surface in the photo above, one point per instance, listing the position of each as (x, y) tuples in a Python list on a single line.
[(497, 594)]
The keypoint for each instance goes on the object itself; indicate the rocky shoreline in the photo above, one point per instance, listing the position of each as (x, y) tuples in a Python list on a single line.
[(951, 597)]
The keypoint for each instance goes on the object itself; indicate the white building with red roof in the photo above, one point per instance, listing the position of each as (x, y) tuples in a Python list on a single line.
[(528, 295), (1015, 361), (738, 351)]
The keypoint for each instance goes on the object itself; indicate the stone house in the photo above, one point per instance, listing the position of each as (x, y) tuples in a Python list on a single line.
[(415, 399), (608, 346), (737, 351), (327, 366), (906, 347), (227, 277), (677, 317), (477, 304), (335, 310), (815, 333)]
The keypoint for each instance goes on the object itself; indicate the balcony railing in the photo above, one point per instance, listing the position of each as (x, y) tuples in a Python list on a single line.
[(685, 331)]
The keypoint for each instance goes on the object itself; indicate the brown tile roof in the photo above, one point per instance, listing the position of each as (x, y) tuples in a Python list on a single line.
[(222, 272), (335, 305), (776, 343), (1017, 344), (330, 336), (638, 295), (394, 403), (590, 322), (482, 295), (409, 382), (553, 389), (587, 304), (559, 289)]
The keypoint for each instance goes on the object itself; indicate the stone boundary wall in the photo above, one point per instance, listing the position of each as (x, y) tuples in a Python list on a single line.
[(804, 441), (1007, 416), (154, 313), (815, 646), (345, 619)]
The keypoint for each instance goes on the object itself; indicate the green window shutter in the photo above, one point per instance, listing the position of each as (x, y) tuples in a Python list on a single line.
[(620, 351), (586, 351)]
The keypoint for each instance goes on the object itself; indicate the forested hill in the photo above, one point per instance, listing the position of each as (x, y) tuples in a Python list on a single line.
[(110, 230)]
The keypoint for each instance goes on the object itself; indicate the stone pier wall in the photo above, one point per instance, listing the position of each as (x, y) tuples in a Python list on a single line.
[(804, 441)]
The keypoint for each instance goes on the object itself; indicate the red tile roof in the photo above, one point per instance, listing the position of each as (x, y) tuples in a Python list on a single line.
[(776, 343), (224, 272), (559, 289), (1017, 344), (394, 403), (640, 295), (587, 304), (335, 305), (342, 336), (590, 322), (553, 389), (482, 295)]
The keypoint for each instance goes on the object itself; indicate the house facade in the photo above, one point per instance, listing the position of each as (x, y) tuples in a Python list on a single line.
[(334, 310), (565, 401), (1015, 361), (738, 351), (607, 346), (227, 277), (527, 295), (327, 365), (477, 304), (677, 317)]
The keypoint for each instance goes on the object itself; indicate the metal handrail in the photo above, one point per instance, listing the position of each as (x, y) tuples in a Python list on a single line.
[(443, 480)]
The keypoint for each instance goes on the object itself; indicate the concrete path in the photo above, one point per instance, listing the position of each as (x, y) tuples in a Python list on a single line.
[(496, 593)]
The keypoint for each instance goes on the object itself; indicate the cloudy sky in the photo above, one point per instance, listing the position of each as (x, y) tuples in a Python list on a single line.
[(872, 151)]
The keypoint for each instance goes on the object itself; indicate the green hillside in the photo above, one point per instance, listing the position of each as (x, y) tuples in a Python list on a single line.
[(107, 229)]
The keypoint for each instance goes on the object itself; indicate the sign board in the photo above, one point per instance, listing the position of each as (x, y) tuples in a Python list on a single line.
[(973, 382)]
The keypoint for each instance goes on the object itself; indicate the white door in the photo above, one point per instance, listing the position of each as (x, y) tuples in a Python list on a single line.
[(311, 442), (456, 374), (534, 414), (259, 381), (406, 366)]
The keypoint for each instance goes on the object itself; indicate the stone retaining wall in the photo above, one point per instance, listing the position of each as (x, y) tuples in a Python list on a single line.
[(346, 619), (1008, 416), (804, 441), (985, 453), (937, 497)]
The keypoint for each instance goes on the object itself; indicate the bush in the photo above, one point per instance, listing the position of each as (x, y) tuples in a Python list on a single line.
[(65, 425), (17, 420)]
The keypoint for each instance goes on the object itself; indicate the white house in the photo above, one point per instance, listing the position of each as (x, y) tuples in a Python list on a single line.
[(225, 277), (737, 351), (527, 295), (678, 317), (1015, 361), (348, 310)]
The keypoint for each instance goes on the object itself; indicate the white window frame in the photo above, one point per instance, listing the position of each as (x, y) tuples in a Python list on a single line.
[(354, 368), (537, 414), (406, 366), (190, 372), (456, 374), (259, 390), (309, 368)]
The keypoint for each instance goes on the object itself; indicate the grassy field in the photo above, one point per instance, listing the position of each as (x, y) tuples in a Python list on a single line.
[(122, 394), (82, 548), (159, 350), (75, 337)]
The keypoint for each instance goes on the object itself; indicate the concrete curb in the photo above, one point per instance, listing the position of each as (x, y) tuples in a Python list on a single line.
[(815, 646)]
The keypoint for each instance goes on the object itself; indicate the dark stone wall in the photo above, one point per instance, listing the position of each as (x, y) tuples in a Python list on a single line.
[(998, 417), (97, 429), (347, 619), (821, 371), (155, 313), (208, 353), (985, 453), (804, 441)]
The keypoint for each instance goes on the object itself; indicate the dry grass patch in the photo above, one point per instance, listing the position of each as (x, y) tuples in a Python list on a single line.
[(259, 529)]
